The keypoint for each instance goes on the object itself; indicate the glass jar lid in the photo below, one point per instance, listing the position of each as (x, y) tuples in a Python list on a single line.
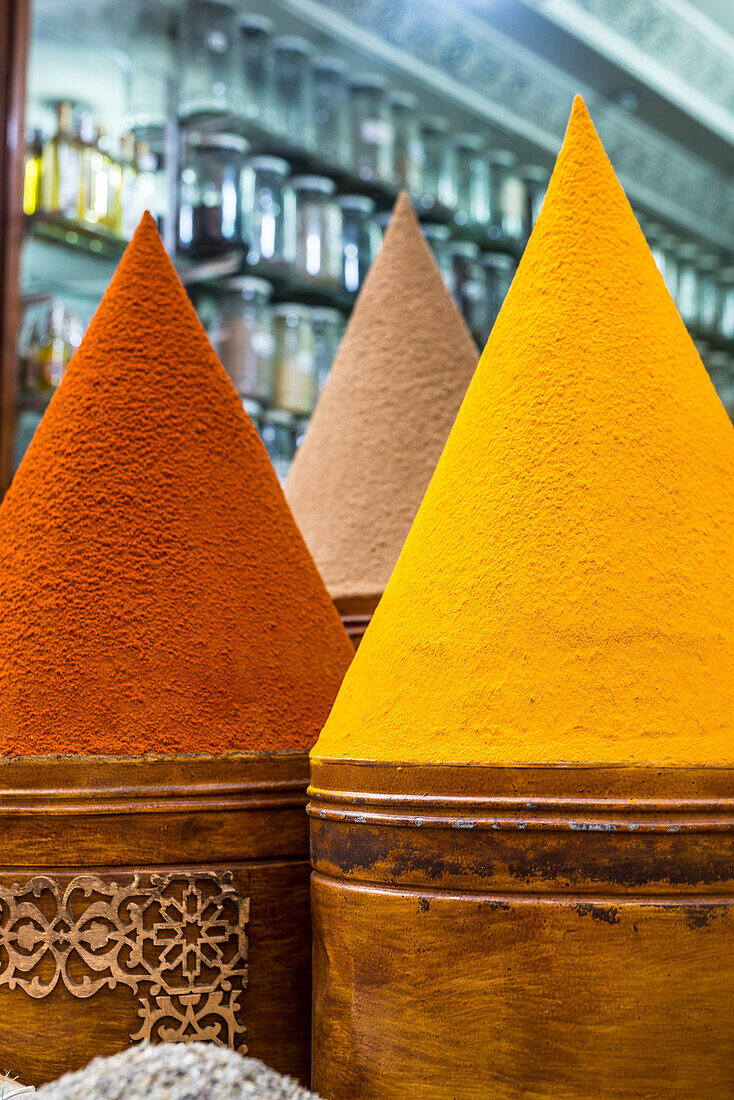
[(287, 309), (249, 284), (256, 24), (327, 63), (278, 416), (535, 173), (474, 142), (326, 315), (291, 43), (360, 203), (322, 184), (467, 249), (399, 98), (264, 163), (375, 82), (502, 158), (436, 124), (688, 252), (252, 408), (231, 142), (503, 261), (436, 232)]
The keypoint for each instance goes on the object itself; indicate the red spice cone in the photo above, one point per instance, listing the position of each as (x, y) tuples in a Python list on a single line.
[(155, 592)]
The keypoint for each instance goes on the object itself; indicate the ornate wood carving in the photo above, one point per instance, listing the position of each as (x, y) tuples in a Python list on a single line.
[(178, 941)]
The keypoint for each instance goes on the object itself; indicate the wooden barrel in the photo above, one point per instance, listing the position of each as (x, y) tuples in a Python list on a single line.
[(522, 932), (356, 613), (158, 898)]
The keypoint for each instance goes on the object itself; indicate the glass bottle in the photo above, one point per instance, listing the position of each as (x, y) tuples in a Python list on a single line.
[(472, 180), (318, 228), (408, 146), (470, 283), (372, 131), (331, 109), (93, 186), (295, 361), (669, 244), (128, 219), (209, 205), (500, 268), (256, 34), (62, 167), (726, 303), (708, 281), (358, 238), (504, 221), (277, 431), (293, 90), (328, 329), (244, 337), (210, 86), (689, 297), (438, 237), (535, 178), (112, 169), (268, 224), (32, 170), (439, 178)]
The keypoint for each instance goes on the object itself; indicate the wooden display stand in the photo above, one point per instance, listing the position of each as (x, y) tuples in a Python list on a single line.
[(156, 898), (356, 614), (513, 932)]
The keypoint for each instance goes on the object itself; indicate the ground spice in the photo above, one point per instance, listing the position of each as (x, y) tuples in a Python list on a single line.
[(565, 593), (155, 593), (384, 416)]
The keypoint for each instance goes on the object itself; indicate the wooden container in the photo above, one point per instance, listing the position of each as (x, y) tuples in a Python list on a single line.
[(522, 932), (356, 613), (160, 898)]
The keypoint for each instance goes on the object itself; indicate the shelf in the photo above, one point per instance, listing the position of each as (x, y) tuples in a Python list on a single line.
[(75, 235), (288, 284)]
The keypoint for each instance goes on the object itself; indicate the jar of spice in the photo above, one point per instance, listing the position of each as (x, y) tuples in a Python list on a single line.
[(256, 33), (209, 204), (438, 237), (331, 109), (358, 238), (708, 281), (470, 282), (535, 179), (407, 145), (210, 77), (506, 196), (689, 296), (278, 435), (726, 303), (372, 132), (318, 228), (245, 336), (472, 180), (328, 329), (293, 90), (267, 210), (500, 268), (439, 174), (295, 360)]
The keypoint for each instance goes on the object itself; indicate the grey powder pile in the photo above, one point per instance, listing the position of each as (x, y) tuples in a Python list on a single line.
[(175, 1071)]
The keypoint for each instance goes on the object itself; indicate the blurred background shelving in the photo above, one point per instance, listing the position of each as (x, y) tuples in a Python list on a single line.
[(269, 140)]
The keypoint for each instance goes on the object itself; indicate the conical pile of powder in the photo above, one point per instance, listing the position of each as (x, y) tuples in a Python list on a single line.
[(383, 418), (155, 592), (565, 593)]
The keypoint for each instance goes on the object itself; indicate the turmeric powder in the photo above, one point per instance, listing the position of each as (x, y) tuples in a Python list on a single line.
[(565, 593), (155, 592)]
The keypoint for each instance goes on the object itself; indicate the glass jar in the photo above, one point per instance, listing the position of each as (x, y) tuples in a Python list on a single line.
[(535, 178), (318, 228), (438, 237), (295, 360), (245, 338), (255, 33), (358, 238), (209, 85), (293, 90), (328, 329), (500, 268), (689, 297), (407, 145), (300, 428), (708, 282), (209, 204), (726, 303), (668, 253), (505, 201), (255, 411), (470, 282), (472, 180), (439, 177), (267, 210), (372, 132), (331, 109), (278, 436)]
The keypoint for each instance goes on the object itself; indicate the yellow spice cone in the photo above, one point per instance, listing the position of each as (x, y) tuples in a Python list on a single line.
[(566, 592)]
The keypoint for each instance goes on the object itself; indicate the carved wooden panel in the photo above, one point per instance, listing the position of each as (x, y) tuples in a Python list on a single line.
[(178, 941)]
